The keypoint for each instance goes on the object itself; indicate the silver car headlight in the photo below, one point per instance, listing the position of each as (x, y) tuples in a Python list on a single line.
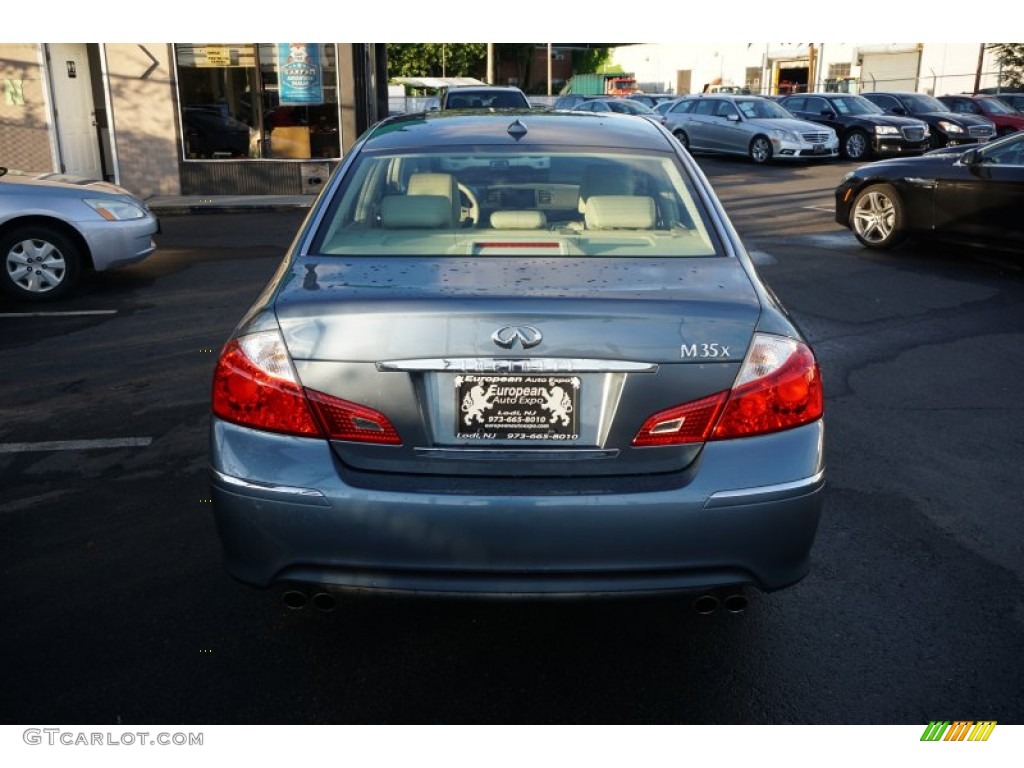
[(784, 135), (886, 130), (115, 209), (949, 127)]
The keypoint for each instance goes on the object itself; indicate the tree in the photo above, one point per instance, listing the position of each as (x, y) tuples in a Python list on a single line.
[(437, 59), (521, 55), (591, 59), (1010, 57)]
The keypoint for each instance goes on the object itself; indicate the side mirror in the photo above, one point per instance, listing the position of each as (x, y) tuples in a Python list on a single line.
[(971, 157), (827, 113), (898, 111), (733, 118)]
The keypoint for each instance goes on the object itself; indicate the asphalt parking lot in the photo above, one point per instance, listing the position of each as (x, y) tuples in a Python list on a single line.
[(117, 610)]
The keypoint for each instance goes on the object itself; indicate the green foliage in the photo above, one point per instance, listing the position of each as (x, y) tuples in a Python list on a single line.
[(437, 60), (591, 59), (1011, 60)]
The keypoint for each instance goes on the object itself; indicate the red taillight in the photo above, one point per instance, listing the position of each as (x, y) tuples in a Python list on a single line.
[(778, 387), (348, 421), (251, 395), (689, 423), (255, 385)]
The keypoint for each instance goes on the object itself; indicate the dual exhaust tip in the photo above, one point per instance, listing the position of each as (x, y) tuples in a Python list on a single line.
[(297, 600), (733, 602)]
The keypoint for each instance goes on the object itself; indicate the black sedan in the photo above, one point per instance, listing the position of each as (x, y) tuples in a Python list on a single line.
[(947, 128), (975, 196), (864, 129)]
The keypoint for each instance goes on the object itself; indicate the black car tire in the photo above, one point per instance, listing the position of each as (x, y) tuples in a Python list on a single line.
[(760, 150), (683, 138), (856, 145), (56, 257), (876, 217)]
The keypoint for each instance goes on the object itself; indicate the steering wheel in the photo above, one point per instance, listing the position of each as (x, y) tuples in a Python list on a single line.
[(469, 205)]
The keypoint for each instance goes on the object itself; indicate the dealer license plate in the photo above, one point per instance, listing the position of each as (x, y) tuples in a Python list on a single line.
[(528, 407)]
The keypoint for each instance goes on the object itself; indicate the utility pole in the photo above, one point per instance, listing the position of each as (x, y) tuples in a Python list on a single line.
[(550, 51), (490, 63), (981, 63)]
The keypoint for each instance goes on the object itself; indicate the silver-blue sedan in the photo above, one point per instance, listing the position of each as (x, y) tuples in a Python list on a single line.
[(751, 126), (53, 227), (519, 354)]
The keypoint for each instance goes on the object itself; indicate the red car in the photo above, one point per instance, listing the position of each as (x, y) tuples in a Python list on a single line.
[(1006, 118)]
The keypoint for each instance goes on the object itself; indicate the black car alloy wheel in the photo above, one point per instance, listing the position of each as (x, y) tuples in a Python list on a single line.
[(877, 216), (856, 145)]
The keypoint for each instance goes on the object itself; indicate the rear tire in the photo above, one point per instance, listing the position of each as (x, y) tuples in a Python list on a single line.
[(40, 263), (876, 217)]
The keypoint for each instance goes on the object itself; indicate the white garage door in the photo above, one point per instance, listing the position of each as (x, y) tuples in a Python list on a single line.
[(890, 71)]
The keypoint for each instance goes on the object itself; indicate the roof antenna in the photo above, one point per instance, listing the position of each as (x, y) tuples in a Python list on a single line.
[(517, 130)]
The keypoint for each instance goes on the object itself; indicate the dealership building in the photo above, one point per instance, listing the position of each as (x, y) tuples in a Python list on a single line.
[(275, 118), (777, 68)]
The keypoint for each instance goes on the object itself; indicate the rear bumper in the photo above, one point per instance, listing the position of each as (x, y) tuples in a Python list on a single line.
[(744, 519)]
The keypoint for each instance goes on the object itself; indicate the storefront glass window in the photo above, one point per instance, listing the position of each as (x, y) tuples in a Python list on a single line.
[(258, 100)]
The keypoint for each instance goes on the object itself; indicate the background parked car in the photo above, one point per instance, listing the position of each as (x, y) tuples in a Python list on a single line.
[(864, 129), (652, 100), (52, 227), (975, 195), (617, 104), (484, 97), (570, 100), (946, 127), (748, 125), (1006, 118), (662, 107), (1015, 100)]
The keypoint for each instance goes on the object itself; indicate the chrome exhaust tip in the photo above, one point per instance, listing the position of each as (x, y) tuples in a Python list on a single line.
[(325, 601), (735, 603), (705, 605), (294, 599)]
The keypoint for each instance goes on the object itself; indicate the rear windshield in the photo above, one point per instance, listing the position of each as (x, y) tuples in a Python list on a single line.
[(590, 202)]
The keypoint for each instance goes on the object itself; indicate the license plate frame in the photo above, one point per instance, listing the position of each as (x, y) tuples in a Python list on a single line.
[(517, 408)]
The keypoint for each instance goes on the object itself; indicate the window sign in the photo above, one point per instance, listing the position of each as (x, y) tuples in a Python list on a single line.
[(299, 73), (217, 57)]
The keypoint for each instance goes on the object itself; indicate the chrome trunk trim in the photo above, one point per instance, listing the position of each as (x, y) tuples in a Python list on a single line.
[(516, 365)]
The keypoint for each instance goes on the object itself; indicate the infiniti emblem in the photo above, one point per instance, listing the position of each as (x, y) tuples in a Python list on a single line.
[(526, 335)]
